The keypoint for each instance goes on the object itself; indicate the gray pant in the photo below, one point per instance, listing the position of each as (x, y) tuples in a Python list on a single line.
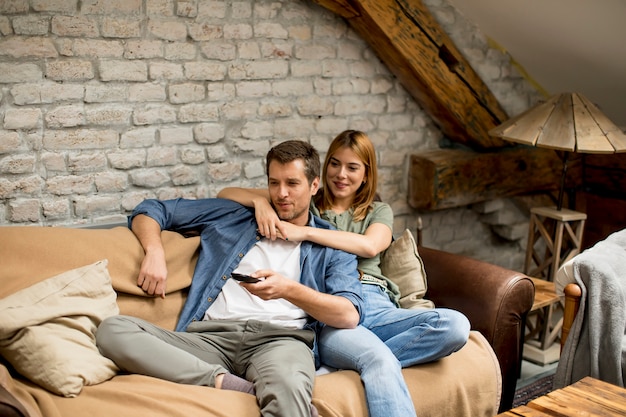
[(278, 361)]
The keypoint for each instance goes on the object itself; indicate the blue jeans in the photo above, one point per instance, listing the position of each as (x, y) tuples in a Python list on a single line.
[(396, 338)]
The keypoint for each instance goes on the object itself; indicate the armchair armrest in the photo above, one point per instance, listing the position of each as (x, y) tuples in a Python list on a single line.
[(573, 294), (496, 301)]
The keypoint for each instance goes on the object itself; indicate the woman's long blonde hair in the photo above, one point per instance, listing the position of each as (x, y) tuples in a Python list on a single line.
[(362, 146)]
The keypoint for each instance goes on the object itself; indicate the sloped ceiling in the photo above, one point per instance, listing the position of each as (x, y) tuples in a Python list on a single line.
[(563, 45)]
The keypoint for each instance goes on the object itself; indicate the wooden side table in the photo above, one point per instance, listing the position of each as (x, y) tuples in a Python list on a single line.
[(560, 231), (587, 397), (540, 336)]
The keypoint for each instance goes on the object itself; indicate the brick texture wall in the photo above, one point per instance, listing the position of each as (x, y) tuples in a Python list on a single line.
[(106, 103)]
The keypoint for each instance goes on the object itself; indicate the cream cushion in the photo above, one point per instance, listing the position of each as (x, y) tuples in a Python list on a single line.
[(402, 264), (47, 330)]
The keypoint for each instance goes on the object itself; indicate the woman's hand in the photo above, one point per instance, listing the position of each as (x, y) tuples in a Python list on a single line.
[(267, 220)]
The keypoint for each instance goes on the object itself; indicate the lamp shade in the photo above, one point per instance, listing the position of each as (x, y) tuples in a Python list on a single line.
[(566, 122)]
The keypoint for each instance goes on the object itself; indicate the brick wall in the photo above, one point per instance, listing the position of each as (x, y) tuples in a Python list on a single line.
[(106, 103)]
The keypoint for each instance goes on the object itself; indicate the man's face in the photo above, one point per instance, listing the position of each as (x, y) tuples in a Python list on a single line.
[(290, 191)]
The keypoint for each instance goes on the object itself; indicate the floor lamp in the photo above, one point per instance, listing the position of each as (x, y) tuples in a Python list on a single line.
[(567, 123)]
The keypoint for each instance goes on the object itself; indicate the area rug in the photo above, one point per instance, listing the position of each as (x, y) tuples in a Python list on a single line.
[(532, 390)]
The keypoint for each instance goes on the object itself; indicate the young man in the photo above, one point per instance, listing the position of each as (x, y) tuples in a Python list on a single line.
[(262, 331)]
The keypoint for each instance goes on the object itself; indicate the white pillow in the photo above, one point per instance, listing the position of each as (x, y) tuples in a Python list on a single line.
[(401, 263), (47, 331)]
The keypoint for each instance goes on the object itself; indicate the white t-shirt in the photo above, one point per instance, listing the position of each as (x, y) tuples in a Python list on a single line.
[(235, 302)]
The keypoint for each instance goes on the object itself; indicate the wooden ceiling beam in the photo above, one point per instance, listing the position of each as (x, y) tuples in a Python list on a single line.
[(422, 56)]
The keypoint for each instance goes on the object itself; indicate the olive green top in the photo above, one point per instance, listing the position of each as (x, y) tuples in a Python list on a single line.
[(380, 213)]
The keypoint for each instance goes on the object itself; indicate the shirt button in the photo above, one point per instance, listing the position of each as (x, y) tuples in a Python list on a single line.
[(241, 255), (224, 277), (210, 300)]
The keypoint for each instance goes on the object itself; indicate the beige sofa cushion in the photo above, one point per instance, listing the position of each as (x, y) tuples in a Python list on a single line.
[(47, 331), (402, 264)]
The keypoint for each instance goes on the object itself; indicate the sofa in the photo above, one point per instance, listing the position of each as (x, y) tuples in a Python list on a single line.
[(478, 380)]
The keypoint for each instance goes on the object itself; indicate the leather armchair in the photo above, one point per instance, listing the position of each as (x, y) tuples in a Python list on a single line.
[(496, 301)]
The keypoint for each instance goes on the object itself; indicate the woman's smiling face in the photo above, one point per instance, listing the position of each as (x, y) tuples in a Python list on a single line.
[(345, 174)]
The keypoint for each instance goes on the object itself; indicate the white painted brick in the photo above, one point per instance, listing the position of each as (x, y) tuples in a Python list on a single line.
[(128, 159), (221, 91), (25, 118), (79, 139), (204, 31), (238, 31), (219, 51), (146, 92), (149, 178), (192, 156), (5, 27), (211, 9), (331, 125), (256, 130), (98, 48), (111, 182), (168, 30), (143, 49), (114, 27), (31, 25), (87, 206), (176, 135), (276, 49), (258, 70), (175, 51), (205, 71), (294, 87), (207, 133), (199, 113), (70, 184), (241, 9), (166, 71), (305, 68), (300, 32), (253, 89), (254, 169), (55, 209), (286, 128), (24, 211), (183, 175), (112, 7), (78, 163), (69, 70), (239, 110), (275, 108), (20, 186), (217, 153), (36, 47), (65, 116), (225, 171), (118, 70), (47, 92), (103, 93), (256, 147), (160, 157), (187, 8), (13, 7), (54, 162), (315, 105), (249, 50), (160, 8), (154, 114), (138, 138), (17, 164), (315, 52), (186, 93), (74, 26)]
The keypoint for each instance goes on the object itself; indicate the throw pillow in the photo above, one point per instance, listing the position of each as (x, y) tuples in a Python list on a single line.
[(47, 331), (402, 264)]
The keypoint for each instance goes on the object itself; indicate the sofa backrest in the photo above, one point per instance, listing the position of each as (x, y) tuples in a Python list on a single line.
[(29, 254)]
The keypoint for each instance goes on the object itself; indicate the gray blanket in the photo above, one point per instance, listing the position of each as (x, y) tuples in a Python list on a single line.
[(596, 345)]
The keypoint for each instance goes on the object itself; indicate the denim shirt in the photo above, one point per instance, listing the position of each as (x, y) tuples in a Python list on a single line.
[(227, 231)]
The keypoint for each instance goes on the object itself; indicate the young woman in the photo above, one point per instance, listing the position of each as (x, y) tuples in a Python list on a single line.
[(409, 337)]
